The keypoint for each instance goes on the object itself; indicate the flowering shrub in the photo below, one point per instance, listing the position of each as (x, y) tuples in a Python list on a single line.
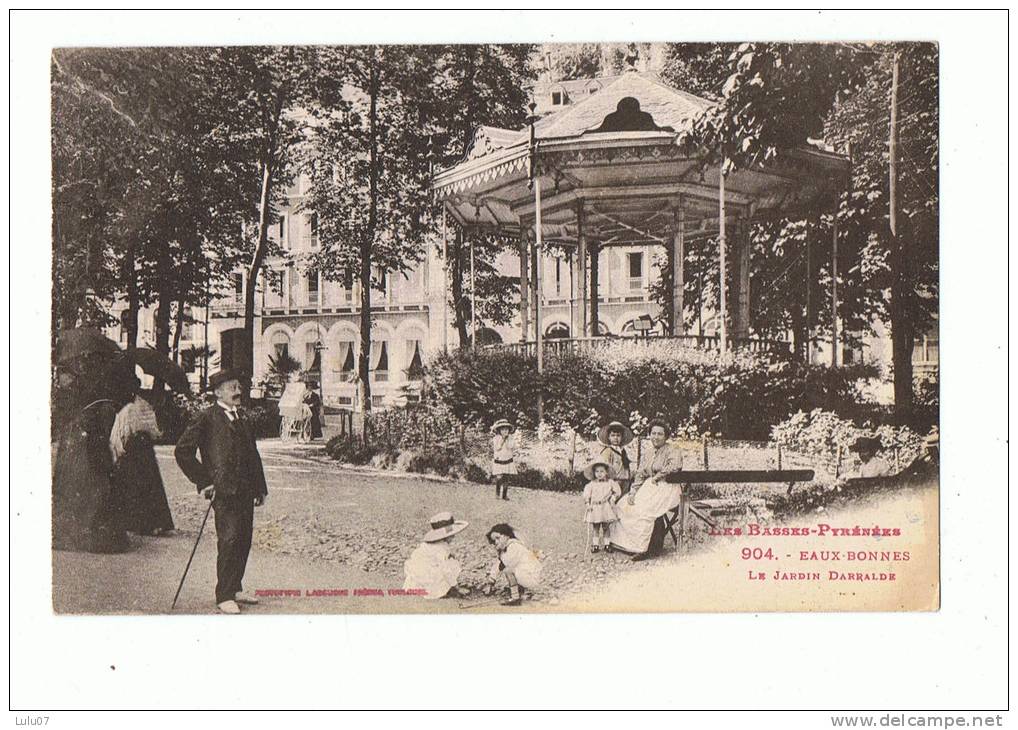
[(738, 396), (819, 433)]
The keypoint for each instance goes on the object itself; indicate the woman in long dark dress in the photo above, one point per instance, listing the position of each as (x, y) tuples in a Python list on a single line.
[(85, 504), (136, 471), (314, 402)]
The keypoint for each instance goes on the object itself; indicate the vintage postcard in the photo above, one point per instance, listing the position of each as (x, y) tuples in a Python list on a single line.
[(590, 327)]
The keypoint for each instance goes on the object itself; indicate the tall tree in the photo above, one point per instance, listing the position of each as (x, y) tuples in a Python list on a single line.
[(367, 161), (765, 109), (478, 85)]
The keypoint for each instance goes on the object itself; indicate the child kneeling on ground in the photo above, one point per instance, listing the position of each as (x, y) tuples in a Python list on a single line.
[(517, 563), (430, 566)]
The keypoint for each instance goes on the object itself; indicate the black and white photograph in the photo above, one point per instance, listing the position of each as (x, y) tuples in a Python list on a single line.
[(496, 328)]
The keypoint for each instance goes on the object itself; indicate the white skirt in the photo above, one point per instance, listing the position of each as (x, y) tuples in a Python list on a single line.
[(435, 578), (635, 525), (498, 469)]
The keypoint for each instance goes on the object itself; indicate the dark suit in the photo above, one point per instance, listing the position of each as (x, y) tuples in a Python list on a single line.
[(230, 461)]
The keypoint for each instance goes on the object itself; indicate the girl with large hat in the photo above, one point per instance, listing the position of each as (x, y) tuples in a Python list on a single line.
[(614, 438), (430, 567), (503, 455)]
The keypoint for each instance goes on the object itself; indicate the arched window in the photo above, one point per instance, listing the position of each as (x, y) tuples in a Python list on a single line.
[(280, 345), (415, 360), (344, 361), (379, 360), (312, 353), (557, 330), (602, 329)]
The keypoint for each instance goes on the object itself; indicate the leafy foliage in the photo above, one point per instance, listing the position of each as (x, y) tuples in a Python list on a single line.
[(740, 396)]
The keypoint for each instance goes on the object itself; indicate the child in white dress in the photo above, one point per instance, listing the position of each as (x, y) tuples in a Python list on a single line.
[(599, 496), (503, 455), (430, 567), (517, 563)]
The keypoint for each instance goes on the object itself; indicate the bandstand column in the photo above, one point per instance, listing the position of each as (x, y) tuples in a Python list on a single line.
[(595, 252), (739, 302), (535, 303), (678, 274), (524, 286), (584, 328), (445, 282), (723, 314)]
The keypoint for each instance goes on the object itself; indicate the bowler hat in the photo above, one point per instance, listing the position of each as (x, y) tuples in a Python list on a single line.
[(225, 376)]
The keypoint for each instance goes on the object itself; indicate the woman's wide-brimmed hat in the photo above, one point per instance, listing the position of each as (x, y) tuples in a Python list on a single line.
[(627, 432), (444, 525), (588, 472), (866, 444), (501, 423), (82, 341)]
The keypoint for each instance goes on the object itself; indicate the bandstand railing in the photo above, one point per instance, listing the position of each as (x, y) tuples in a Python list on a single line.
[(567, 345)]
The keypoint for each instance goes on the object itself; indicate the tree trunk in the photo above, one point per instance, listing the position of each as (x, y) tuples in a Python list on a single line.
[(131, 279), (178, 329), (364, 362), (902, 288), (264, 211), (458, 298), (162, 334)]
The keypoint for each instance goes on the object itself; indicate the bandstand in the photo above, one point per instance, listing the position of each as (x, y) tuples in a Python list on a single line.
[(611, 170)]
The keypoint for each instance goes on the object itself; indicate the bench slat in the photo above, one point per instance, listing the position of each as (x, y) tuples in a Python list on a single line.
[(730, 476)]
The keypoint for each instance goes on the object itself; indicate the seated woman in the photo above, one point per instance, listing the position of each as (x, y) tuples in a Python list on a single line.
[(870, 465), (641, 528)]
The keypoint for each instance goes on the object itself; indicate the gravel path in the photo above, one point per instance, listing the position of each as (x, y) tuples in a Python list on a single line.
[(326, 528)]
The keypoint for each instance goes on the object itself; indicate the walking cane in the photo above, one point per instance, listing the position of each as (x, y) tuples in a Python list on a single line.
[(193, 550)]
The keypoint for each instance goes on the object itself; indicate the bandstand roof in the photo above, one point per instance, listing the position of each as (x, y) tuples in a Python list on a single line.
[(616, 154)]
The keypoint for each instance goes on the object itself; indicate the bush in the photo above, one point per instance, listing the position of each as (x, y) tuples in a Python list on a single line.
[(555, 481), (353, 450), (820, 433), (176, 412), (739, 396), (926, 403), (439, 460)]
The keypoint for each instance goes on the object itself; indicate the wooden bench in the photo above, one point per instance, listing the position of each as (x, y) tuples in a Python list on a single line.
[(731, 476)]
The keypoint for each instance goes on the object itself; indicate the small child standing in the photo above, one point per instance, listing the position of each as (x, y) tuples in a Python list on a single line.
[(517, 563), (503, 459), (599, 496)]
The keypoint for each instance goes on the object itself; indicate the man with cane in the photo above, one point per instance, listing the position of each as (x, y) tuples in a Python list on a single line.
[(230, 474)]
